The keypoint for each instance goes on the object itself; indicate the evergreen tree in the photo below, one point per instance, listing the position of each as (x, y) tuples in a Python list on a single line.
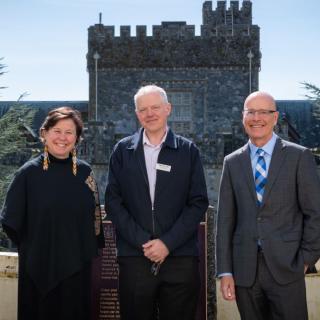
[(2, 67), (314, 95)]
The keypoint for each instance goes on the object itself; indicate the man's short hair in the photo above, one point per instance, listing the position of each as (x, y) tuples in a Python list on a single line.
[(152, 88)]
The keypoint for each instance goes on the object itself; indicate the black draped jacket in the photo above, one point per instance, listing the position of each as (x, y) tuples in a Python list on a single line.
[(51, 216)]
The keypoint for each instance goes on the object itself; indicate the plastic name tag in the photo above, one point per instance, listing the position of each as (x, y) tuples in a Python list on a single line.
[(163, 167)]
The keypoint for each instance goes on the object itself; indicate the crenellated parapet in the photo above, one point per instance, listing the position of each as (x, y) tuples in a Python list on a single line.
[(227, 21), (227, 35), (227, 16)]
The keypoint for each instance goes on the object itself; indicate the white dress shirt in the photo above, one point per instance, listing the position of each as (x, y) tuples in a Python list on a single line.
[(151, 153)]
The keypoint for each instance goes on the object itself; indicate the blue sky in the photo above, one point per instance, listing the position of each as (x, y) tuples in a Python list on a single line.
[(44, 42)]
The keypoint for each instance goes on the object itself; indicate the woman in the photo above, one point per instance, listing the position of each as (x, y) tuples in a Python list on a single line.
[(52, 213)]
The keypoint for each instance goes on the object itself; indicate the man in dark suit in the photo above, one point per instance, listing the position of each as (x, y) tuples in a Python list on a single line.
[(156, 197), (268, 228)]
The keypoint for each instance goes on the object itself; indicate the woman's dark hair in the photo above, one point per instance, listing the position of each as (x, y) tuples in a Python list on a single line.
[(62, 113)]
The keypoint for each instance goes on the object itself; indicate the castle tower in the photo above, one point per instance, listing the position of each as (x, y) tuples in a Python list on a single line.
[(207, 77)]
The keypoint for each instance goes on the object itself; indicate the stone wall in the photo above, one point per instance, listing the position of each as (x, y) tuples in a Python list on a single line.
[(8, 285), (225, 36)]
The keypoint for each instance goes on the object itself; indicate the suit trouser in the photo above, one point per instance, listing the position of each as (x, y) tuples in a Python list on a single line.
[(268, 300), (170, 295)]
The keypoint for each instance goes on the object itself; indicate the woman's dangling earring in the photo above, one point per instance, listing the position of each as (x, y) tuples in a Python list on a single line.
[(74, 161), (45, 158)]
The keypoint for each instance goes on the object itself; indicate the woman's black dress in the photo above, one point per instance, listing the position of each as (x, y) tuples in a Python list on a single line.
[(52, 217)]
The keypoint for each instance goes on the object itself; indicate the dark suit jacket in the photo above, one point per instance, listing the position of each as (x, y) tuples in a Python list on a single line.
[(180, 196), (287, 223)]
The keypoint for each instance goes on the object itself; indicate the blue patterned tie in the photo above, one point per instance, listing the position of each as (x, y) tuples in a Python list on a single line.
[(260, 176)]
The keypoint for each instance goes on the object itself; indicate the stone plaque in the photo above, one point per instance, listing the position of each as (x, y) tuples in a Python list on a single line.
[(105, 304)]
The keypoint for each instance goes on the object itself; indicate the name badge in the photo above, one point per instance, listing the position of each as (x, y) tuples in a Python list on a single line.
[(163, 167)]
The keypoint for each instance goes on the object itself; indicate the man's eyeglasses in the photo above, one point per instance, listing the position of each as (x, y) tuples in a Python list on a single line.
[(155, 268), (143, 110), (262, 113)]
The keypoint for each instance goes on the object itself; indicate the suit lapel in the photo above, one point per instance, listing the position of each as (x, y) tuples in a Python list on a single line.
[(278, 156), (245, 161), (166, 157), (142, 163), (137, 147)]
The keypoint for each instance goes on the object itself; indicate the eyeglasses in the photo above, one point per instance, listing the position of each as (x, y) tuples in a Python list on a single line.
[(155, 268), (262, 113), (143, 110)]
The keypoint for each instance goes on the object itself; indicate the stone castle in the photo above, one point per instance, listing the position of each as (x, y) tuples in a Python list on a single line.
[(207, 78)]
